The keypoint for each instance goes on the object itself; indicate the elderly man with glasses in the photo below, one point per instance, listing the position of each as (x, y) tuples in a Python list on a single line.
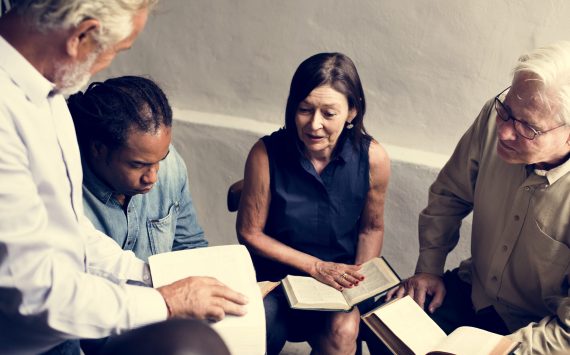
[(511, 169)]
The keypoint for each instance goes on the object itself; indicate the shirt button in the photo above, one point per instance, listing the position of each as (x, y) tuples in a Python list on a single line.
[(517, 217), (494, 278), (505, 248), (526, 188)]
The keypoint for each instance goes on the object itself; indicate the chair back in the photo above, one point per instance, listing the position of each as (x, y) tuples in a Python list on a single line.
[(234, 194)]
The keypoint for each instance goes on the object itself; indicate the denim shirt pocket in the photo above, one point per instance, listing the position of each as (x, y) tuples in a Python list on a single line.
[(161, 231)]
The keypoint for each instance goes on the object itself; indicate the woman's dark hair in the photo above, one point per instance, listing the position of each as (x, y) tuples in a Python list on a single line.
[(106, 111), (336, 70)]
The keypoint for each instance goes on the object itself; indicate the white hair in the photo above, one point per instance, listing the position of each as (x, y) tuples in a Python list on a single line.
[(115, 16), (551, 65)]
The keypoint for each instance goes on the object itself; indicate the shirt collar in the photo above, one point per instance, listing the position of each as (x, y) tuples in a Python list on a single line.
[(347, 150), (343, 153), (97, 187), (35, 86), (554, 174)]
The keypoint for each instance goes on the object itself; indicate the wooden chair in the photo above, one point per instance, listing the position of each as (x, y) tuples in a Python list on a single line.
[(233, 197)]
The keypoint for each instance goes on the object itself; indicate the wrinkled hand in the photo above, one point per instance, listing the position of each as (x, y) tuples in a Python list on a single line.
[(337, 275), (202, 298), (418, 286)]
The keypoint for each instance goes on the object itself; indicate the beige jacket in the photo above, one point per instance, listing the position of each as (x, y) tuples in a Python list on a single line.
[(520, 238)]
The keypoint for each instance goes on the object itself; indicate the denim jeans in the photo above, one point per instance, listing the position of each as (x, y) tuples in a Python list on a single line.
[(68, 347)]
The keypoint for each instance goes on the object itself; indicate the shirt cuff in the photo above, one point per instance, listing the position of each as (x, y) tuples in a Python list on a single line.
[(146, 306), (139, 271), (431, 261)]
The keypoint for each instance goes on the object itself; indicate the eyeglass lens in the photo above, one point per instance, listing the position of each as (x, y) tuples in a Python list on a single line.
[(520, 127)]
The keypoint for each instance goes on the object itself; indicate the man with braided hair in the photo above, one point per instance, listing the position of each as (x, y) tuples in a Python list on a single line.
[(135, 184), (124, 132)]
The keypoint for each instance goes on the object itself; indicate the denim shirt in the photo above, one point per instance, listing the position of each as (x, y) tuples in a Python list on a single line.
[(159, 221)]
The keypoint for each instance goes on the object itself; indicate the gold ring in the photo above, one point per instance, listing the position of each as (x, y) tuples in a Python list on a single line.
[(344, 275)]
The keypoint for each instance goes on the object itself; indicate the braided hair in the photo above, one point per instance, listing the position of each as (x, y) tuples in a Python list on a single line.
[(107, 110)]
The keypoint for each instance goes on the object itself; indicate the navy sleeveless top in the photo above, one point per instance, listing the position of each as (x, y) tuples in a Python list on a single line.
[(316, 214)]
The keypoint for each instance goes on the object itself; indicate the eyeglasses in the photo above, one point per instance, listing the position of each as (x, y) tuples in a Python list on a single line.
[(522, 128)]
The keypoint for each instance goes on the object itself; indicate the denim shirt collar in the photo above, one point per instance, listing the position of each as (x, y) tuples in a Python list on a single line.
[(100, 189)]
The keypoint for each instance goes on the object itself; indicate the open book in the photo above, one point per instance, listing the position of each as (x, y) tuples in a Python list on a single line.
[(406, 329), (232, 265), (305, 292)]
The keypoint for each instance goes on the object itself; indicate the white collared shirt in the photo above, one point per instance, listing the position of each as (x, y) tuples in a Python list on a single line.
[(59, 277)]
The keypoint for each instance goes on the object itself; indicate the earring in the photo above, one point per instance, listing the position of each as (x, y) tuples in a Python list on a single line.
[(349, 125)]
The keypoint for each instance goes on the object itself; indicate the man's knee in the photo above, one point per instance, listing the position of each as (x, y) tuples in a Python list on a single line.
[(173, 337)]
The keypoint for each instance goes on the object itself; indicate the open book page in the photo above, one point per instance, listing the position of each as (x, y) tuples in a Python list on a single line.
[(474, 341), (232, 265), (378, 277), (308, 293), (411, 324)]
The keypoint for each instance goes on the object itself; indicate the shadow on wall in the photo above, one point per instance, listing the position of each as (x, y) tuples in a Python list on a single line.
[(216, 155)]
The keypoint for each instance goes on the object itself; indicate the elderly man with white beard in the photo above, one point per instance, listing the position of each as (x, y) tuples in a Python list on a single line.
[(60, 279)]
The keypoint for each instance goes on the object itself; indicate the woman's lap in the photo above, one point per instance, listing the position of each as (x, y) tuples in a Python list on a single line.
[(286, 324)]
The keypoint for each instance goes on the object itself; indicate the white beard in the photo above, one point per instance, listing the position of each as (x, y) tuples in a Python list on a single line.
[(70, 78)]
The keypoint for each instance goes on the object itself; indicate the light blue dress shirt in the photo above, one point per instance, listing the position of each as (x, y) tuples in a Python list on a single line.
[(159, 221)]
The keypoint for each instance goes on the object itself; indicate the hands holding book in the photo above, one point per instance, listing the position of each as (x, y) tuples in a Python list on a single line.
[(202, 298), (337, 275), (418, 286)]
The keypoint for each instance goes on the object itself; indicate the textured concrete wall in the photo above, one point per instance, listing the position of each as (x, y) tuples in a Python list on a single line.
[(427, 68), (427, 65)]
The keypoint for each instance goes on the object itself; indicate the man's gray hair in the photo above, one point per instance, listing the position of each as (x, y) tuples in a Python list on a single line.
[(115, 16), (551, 64)]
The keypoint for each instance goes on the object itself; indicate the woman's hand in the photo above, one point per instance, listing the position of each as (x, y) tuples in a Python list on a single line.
[(337, 275)]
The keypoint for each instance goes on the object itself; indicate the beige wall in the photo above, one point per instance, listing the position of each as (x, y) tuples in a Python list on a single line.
[(427, 67)]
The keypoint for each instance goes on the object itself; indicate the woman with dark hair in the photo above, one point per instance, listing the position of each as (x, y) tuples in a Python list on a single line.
[(313, 201)]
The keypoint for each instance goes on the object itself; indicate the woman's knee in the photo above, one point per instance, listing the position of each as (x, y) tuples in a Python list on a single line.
[(346, 332), (344, 328)]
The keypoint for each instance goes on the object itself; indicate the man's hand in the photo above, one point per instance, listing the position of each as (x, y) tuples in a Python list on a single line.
[(337, 275), (202, 298), (418, 286)]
